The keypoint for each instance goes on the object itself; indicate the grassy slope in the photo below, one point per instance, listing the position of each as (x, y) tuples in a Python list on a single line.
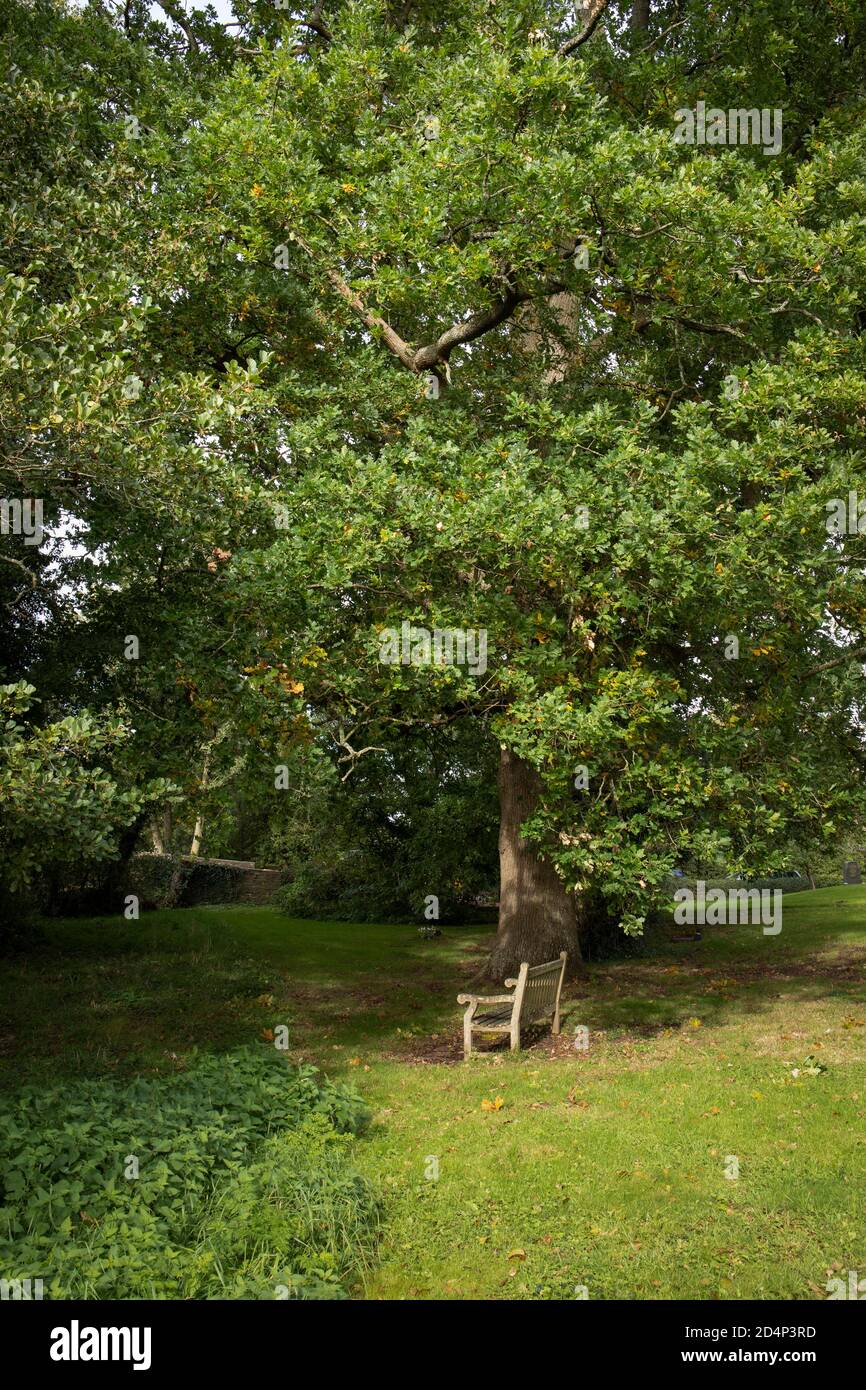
[(605, 1168)]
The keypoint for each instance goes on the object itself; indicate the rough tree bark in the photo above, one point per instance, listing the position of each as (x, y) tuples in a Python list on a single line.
[(640, 13), (537, 917), (198, 829)]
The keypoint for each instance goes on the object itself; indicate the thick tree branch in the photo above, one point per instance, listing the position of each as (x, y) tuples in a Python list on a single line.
[(317, 24), (431, 355), (11, 560), (593, 13), (374, 322), (854, 654), (438, 353), (176, 13), (697, 327)]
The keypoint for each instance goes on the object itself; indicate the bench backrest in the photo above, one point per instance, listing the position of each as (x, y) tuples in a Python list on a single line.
[(538, 987)]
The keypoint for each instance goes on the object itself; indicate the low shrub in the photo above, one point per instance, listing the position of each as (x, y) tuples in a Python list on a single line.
[(150, 876), (243, 1186)]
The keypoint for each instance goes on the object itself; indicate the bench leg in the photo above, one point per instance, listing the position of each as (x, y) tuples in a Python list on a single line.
[(467, 1034), (563, 956), (515, 1037)]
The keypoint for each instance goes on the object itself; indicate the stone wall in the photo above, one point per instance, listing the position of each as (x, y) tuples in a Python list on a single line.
[(259, 886), (203, 880)]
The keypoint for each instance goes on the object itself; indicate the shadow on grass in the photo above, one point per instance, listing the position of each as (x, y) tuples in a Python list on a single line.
[(102, 995)]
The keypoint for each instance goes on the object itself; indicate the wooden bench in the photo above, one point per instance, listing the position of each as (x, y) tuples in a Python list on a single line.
[(536, 994)]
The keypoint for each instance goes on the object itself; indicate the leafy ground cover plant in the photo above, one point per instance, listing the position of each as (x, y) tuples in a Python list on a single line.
[(230, 1180)]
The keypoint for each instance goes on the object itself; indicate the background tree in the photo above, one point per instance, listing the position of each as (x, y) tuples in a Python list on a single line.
[(61, 809), (121, 446)]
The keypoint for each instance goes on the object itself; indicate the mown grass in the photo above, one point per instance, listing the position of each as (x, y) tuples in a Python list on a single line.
[(603, 1168)]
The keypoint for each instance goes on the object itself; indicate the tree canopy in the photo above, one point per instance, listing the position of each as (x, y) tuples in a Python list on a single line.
[(383, 318)]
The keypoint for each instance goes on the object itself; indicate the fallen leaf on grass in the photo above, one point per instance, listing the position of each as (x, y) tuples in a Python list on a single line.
[(496, 1104)]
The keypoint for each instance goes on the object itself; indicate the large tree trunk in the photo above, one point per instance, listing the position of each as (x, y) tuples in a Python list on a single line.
[(537, 917), (640, 13)]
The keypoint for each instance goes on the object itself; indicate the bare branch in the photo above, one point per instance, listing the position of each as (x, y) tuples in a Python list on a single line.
[(712, 328), (391, 337), (594, 11), (435, 353), (11, 560), (352, 755), (431, 355), (853, 655), (317, 24), (662, 36), (176, 13), (34, 582)]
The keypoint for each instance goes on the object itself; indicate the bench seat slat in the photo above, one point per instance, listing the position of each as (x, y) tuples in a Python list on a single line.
[(494, 1016)]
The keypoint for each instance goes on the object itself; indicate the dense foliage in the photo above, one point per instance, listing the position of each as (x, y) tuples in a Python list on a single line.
[(63, 810), (647, 365), (230, 1180)]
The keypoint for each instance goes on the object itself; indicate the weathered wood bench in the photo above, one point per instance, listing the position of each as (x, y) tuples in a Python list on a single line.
[(536, 994)]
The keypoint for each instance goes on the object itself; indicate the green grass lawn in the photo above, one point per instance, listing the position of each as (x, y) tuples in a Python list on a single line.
[(603, 1168)]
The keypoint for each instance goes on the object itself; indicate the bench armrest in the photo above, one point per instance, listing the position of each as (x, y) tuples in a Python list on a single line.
[(485, 999)]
